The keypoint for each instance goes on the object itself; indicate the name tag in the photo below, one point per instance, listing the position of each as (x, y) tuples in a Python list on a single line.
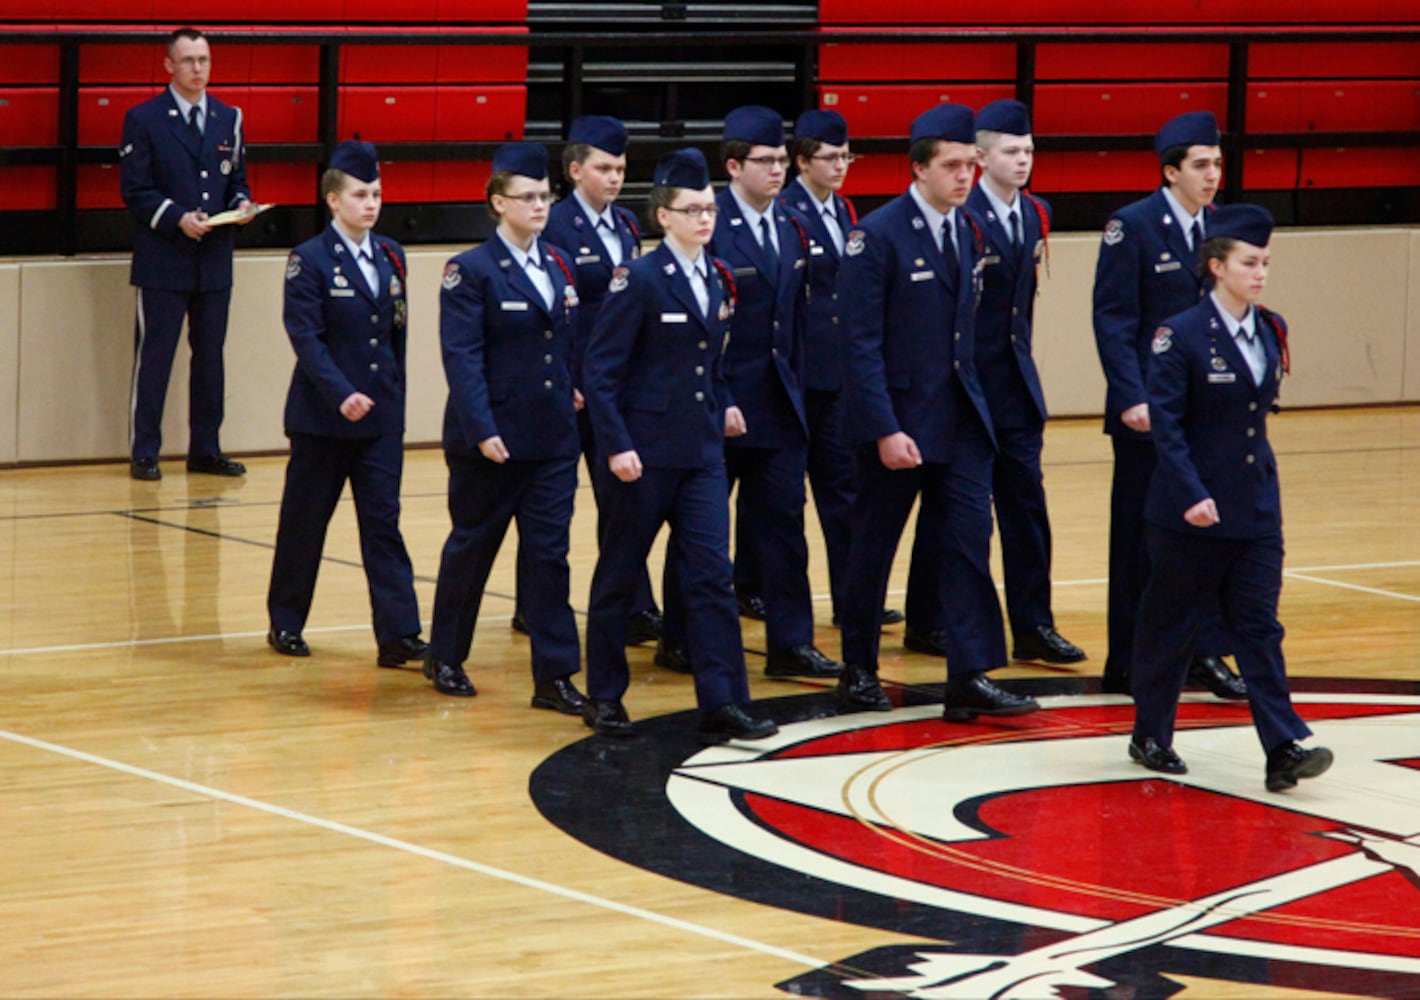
[(798, 263), (1172, 265), (342, 293), (815, 251), (744, 272), (674, 318), (922, 275), (589, 259), (992, 259), (1222, 377), (514, 307)]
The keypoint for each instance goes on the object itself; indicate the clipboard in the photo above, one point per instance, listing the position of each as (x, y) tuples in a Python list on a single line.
[(238, 215)]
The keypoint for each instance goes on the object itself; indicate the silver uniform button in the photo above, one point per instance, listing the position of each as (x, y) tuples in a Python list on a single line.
[(1251, 459), (374, 318), (547, 359), (700, 369), (703, 345), (203, 175), (956, 364), (957, 335), (374, 366), (1252, 406), (700, 397), (774, 351), (548, 334), (1252, 432), (374, 341), (547, 383), (204, 196)]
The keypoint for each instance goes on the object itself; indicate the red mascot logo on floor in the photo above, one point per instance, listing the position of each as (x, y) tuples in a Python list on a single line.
[(1052, 866)]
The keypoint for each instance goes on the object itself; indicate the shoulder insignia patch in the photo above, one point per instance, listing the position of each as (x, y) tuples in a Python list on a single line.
[(1113, 232), (452, 276), (1163, 340), (293, 266), (619, 278), (853, 245)]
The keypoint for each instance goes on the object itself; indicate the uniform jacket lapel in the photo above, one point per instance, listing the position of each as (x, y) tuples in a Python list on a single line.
[(680, 284), (518, 278), (181, 130)]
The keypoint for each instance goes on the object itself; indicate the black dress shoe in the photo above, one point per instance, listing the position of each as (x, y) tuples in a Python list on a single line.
[(801, 661), (891, 616), (933, 642), (449, 678), (751, 606), (519, 623), (964, 698), (559, 695), (608, 718), (672, 657), (398, 652), (1045, 644), (1155, 757), (1211, 672), (1115, 682), (859, 691), (731, 722), (145, 469), (1289, 762), (644, 626), (221, 465), (287, 643)]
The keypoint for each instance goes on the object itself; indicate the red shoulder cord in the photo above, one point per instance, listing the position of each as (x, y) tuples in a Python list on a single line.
[(630, 219), (852, 212), (1044, 229), (803, 236), (976, 234), (395, 262), (562, 264), (1281, 332), (724, 270)]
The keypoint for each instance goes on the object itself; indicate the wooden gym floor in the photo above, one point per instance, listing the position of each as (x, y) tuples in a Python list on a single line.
[(187, 814)]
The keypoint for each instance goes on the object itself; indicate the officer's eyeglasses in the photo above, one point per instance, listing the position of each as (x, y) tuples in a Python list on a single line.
[(693, 211), (769, 162), (835, 157), (531, 198)]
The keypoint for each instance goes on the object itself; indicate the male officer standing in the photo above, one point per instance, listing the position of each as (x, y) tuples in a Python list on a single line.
[(767, 253), (1015, 225), (1147, 271), (346, 314), (908, 287), (821, 156), (602, 236), (182, 158)]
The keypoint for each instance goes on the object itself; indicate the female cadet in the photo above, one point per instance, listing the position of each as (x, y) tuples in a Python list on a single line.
[(1213, 514), (660, 410), (507, 314)]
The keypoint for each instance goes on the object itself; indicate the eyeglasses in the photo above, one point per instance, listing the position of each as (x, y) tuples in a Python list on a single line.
[(691, 211), (835, 157), (530, 198), (769, 162)]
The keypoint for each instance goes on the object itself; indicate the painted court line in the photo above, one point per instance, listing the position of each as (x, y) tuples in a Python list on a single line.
[(414, 849)]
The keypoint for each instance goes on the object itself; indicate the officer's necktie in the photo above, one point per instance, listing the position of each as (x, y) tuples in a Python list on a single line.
[(540, 280), (771, 256), (1016, 238), (949, 249), (194, 120), (606, 232), (835, 231), (1197, 233), (701, 289), (370, 272)]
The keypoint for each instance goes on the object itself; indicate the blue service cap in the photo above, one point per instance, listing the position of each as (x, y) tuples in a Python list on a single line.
[(1007, 116), (526, 159), (602, 131), (358, 159), (1249, 223), (948, 122), (1192, 128), (756, 125), (684, 168), (825, 126)]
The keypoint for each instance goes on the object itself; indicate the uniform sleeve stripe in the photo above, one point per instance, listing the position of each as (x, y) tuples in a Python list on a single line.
[(153, 222)]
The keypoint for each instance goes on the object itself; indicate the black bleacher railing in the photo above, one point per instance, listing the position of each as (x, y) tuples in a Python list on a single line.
[(1322, 125)]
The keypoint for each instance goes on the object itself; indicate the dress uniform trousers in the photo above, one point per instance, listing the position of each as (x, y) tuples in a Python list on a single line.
[(315, 478), (156, 333), (692, 501), (1186, 573), (484, 496)]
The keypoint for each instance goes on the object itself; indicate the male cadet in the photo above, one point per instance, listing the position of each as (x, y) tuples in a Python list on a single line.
[(181, 159), (346, 314), (908, 291), (767, 253), (1148, 270), (821, 156), (602, 236), (1015, 225)]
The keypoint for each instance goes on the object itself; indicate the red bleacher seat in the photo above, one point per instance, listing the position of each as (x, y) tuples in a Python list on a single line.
[(879, 174), (1270, 169), (461, 181), (1122, 12), (280, 114), (1159, 60), (289, 11), (387, 113), (1121, 170), (29, 116), (386, 64), (1302, 60), (1334, 106), (284, 183), (33, 188), (101, 111), (97, 186), (483, 11), (406, 181), (492, 113), (139, 62), (1354, 168), (29, 64), (248, 63), (888, 109), (885, 62), (1121, 108)]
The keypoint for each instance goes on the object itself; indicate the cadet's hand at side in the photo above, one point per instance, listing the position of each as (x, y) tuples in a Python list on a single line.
[(898, 451), (1136, 418), (626, 466), (493, 449), (356, 405), (1203, 514), (734, 422)]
